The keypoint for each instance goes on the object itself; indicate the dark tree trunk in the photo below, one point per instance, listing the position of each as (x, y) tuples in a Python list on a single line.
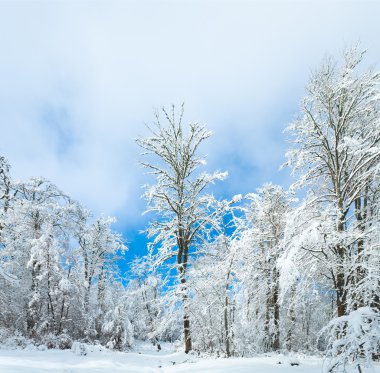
[(276, 313), (186, 333), (291, 320), (340, 283), (227, 322), (182, 258), (32, 309), (272, 312), (226, 328), (360, 214), (186, 319)]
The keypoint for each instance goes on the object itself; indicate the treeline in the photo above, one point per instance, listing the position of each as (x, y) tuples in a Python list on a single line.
[(255, 273), (58, 277)]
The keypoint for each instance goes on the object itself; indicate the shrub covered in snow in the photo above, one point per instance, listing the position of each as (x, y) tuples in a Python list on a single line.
[(62, 341), (16, 341), (353, 339), (79, 349)]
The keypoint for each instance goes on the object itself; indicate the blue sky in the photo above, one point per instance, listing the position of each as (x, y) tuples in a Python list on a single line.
[(80, 79)]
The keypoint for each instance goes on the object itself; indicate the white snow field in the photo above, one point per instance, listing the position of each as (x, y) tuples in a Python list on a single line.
[(145, 359)]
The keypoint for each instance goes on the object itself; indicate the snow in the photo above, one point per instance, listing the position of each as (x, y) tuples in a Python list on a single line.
[(145, 359)]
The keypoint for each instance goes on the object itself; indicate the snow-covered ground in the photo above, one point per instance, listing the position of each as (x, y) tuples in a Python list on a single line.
[(145, 359)]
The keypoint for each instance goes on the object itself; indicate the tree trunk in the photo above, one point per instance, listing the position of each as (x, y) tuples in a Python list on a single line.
[(276, 313), (32, 309), (227, 332), (186, 333), (341, 291), (182, 257), (360, 214), (291, 320), (226, 327), (272, 312), (186, 319)]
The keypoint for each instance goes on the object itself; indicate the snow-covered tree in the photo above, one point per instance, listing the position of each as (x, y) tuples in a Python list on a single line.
[(57, 265), (146, 295), (98, 250), (5, 185), (259, 238), (212, 279), (33, 239), (178, 196), (7, 194), (117, 330), (336, 155), (267, 214)]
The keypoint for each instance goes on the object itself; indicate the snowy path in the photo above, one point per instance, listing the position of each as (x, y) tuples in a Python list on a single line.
[(56, 361)]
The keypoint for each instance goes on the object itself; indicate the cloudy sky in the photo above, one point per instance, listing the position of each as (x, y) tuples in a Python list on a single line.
[(78, 80)]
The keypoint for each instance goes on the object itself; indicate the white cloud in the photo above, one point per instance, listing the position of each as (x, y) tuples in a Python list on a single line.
[(78, 80)]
